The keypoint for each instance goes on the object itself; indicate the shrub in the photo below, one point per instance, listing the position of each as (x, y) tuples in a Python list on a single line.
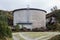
[(58, 27), (9, 32), (5, 31), (51, 27), (17, 27)]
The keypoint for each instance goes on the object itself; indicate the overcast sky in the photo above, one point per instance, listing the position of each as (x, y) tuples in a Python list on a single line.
[(16, 4)]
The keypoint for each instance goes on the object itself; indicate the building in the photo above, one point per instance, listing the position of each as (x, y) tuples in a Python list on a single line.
[(29, 18)]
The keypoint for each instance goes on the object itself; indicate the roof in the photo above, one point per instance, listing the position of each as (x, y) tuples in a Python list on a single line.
[(30, 9)]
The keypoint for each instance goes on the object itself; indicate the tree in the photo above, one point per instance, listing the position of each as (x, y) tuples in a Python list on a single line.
[(54, 8), (5, 31), (56, 14)]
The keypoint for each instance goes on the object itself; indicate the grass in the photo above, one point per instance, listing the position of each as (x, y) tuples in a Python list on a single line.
[(31, 34), (21, 38), (10, 38), (17, 35), (57, 37), (35, 34), (7, 38)]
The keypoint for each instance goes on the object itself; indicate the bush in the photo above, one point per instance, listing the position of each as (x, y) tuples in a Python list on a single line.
[(51, 27), (5, 30), (57, 37), (58, 27), (9, 32), (17, 27)]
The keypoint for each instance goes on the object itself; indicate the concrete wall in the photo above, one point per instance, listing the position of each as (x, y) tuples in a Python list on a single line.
[(37, 18)]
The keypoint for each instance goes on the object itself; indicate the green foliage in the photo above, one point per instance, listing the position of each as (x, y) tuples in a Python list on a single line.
[(51, 27), (17, 27), (5, 31), (58, 27), (57, 37), (9, 16), (56, 14), (8, 31)]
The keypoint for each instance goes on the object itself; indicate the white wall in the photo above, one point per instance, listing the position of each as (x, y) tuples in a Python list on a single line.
[(37, 18)]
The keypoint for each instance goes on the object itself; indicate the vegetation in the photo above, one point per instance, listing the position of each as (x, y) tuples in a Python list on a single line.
[(57, 37), (35, 34), (17, 27), (9, 16), (51, 27), (5, 31), (55, 13)]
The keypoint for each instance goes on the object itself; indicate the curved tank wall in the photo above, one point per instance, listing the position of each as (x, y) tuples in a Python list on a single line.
[(30, 18)]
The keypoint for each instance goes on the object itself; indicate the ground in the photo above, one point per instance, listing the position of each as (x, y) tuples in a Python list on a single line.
[(34, 35)]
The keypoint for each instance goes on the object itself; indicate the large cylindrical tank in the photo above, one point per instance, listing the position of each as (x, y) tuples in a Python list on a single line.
[(30, 17)]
